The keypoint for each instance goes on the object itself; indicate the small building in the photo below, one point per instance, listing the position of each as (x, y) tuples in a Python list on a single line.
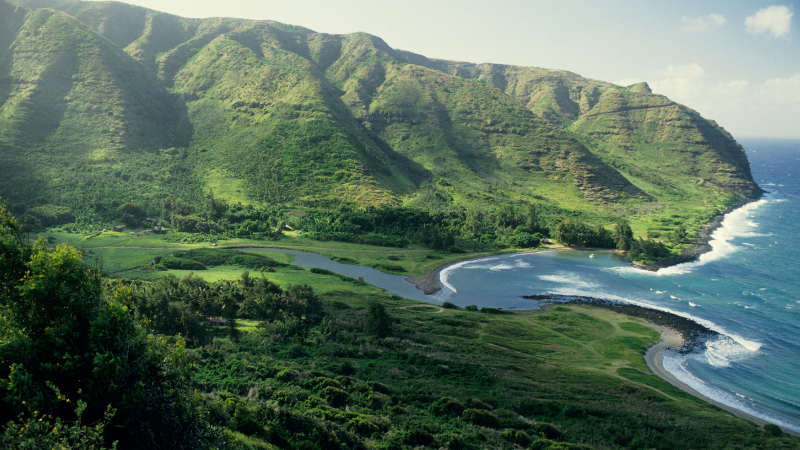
[(159, 230), (217, 321), (119, 228)]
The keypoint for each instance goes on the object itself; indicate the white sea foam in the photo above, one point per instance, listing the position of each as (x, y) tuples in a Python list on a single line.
[(444, 274), (721, 352), (736, 224), (743, 346), (569, 278), (693, 305), (675, 363), (481, 264)]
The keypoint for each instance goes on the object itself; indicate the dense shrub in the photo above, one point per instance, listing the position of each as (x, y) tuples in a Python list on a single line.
[(481, 417), (447, 405), (173, 263)]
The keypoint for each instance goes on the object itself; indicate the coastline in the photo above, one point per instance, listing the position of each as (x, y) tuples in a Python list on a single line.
[(429, 284), (701, 244), (677, 333), (671, 339)]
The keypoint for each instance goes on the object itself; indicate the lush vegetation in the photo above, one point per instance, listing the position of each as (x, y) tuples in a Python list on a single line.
[(77, 369), (231, 132), (292, 368), (275, 119)]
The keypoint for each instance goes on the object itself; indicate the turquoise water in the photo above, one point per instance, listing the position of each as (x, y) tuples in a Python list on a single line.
[(746, 288)]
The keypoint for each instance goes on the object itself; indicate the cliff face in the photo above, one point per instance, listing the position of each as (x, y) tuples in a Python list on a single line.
[(118, 103)]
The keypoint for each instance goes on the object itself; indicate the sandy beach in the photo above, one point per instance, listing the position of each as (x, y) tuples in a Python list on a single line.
[(670, 338)]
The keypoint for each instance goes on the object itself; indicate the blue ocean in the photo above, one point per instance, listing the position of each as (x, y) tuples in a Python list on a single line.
[(747, 289)]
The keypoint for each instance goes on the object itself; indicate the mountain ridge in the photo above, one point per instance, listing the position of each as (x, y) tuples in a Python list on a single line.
[(267, 113)]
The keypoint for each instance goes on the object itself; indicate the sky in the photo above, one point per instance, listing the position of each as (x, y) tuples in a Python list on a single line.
[(735, 62)]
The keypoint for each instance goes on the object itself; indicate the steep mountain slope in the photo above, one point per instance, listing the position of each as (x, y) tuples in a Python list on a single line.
[(73, 107), (631, 128), (142, 105)]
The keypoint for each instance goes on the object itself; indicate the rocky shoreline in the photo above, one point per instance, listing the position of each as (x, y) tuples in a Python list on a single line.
[(427, 283), (694, 334)]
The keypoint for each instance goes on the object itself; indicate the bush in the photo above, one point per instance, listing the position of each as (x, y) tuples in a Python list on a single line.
[(378, 321), (526, 240), (773, 430), (336, 397), (481, 417), (171, 262), (447, 406), (518, 437), (549, 430), (449, 305), (49, 215)]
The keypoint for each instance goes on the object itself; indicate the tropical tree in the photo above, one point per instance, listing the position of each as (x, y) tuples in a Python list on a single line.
[(623, 235), (378, 321)]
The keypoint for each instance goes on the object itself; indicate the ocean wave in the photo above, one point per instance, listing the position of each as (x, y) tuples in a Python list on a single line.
[(570, 278), (736, 224), (725, 350), (675, 363)]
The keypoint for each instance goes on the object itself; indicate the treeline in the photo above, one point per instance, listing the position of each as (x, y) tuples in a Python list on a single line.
[(572, 232), (191, 306), (387, 226)]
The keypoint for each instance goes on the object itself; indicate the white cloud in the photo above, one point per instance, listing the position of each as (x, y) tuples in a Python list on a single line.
[(775, 20), (784, 91), (703, 23), (683, 84), (743, 107)]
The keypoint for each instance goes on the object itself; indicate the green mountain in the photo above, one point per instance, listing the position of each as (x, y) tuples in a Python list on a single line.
[(107, 103)]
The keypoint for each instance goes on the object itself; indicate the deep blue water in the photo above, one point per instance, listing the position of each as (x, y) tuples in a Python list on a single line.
[(746, 288)]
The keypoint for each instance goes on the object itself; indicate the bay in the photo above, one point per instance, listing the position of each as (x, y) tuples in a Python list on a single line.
[(746, 288)]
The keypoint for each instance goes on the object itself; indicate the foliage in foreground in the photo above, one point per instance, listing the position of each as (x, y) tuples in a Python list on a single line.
[(338, 372), (73, 360)]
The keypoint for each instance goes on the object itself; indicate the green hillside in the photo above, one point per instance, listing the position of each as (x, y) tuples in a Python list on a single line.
[(107, 103)]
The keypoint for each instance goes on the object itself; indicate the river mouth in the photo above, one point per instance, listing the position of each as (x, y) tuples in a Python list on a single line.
[(394, 284)]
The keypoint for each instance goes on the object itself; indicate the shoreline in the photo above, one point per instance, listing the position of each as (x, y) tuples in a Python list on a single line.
[(671, 339), (701, 244), (674, 330), (429, 285)]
